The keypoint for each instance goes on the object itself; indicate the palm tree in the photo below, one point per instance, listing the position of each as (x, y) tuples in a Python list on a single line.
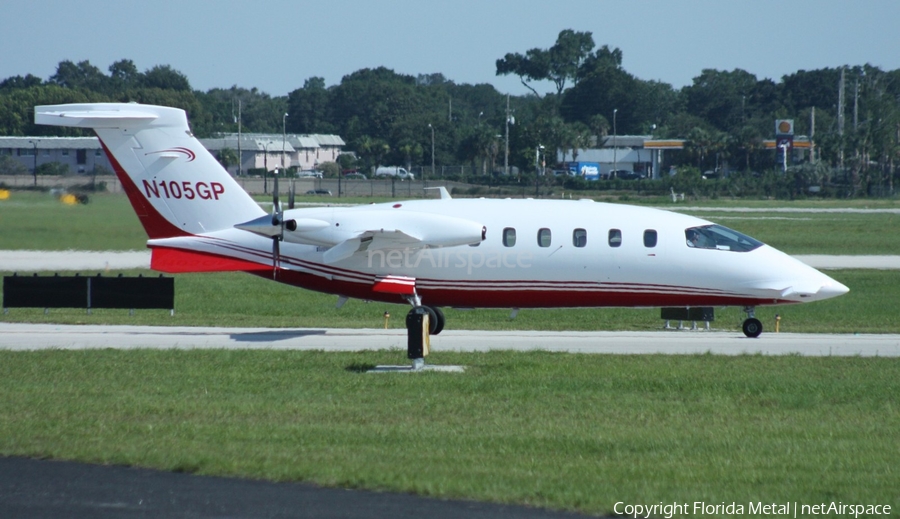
[(408, 149)]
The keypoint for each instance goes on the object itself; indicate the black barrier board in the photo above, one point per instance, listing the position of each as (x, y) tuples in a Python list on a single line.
[(44, 292), (698, 313), (88, 292), (137, 293)]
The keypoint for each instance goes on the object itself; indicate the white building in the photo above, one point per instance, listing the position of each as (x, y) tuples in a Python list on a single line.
[(83, 154)]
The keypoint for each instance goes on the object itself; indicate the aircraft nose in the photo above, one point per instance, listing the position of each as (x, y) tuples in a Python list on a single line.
[(831, 289)]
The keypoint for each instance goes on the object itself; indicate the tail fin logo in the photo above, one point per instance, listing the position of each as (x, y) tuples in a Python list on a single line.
[(174, 152)]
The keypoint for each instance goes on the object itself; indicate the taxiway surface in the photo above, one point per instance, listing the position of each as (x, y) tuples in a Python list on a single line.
[(16, 336)]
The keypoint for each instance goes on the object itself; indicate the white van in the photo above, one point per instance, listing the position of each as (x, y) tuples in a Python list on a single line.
[(393, 171)]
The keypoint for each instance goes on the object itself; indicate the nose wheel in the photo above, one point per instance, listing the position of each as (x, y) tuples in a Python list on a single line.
[(752, 326), (435, 315)]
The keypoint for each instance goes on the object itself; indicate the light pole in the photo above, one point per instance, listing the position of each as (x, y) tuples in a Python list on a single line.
[(34, 171), (615, 145), (266, 168), (240, 150), (432, 151), (283, 138)]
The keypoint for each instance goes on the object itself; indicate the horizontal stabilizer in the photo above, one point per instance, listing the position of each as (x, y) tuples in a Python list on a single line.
[(80, 116)]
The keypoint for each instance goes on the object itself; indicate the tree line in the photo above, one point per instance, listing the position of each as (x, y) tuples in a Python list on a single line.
[(391, 118)]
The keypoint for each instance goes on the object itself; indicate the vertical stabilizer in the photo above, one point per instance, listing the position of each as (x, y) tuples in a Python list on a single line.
[(177, 188)]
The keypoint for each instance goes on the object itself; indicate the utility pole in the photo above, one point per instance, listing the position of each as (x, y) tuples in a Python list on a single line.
[(34, 144), (615, 145), (506, 155), (432, 152), (840, 116), (240, 151)]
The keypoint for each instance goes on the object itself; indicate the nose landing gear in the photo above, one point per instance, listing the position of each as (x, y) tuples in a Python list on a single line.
[(435, 315), (752, 326)]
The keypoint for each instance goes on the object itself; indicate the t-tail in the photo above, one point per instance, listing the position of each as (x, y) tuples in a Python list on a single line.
[(177, 188)]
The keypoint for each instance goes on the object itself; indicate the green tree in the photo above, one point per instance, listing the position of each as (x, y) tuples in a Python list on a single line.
[(80, 76), (309, 108), (166, 78), (559, 64)]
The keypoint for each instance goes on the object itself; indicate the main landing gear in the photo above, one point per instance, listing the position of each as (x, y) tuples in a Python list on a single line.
[(752, 326)]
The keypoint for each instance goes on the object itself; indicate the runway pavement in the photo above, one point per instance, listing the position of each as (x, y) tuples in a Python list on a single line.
[(16, 336), (42, 489)]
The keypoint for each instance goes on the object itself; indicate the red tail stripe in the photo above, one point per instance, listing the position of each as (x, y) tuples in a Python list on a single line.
[(154, 223)]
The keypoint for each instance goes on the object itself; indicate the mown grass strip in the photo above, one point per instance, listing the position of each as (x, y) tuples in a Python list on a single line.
[(236, 299), (577, 432)]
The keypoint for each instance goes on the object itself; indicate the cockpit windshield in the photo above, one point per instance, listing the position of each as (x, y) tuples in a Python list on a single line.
[(719, 238)]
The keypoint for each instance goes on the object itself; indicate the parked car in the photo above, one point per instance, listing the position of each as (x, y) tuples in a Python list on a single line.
[(309, 173), (625, 174), (319, 192), (394, 171), (354, 176)]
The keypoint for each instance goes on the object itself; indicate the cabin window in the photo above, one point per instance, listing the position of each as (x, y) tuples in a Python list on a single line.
[(650, 238), (719, 238), (615, 237), (543, 237), (509, 237), (579, 237)]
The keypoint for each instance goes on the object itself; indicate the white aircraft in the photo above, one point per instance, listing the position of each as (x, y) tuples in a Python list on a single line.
[(436, 252)]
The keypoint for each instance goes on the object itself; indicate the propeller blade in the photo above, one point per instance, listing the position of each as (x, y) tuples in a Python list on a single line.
[(275, 205), (276, 256)]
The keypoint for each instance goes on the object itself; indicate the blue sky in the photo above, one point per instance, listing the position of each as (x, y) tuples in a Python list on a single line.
[(275, 45)]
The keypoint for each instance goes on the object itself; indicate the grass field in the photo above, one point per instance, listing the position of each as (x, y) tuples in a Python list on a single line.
[(575, 432)]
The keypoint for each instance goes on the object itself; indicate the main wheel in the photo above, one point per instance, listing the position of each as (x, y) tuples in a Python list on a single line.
[(752, 327)]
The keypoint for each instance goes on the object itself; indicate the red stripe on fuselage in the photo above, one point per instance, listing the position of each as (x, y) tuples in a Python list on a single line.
[(518, 298), (177, 260)]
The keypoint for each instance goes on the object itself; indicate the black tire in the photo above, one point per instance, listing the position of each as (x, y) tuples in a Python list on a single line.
[(435, 324), (752, 327), (439, 317)]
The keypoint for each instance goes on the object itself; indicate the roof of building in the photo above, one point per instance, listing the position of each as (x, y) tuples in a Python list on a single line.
[(328, 140), (305, 141), (624, 141), (51, 143)]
